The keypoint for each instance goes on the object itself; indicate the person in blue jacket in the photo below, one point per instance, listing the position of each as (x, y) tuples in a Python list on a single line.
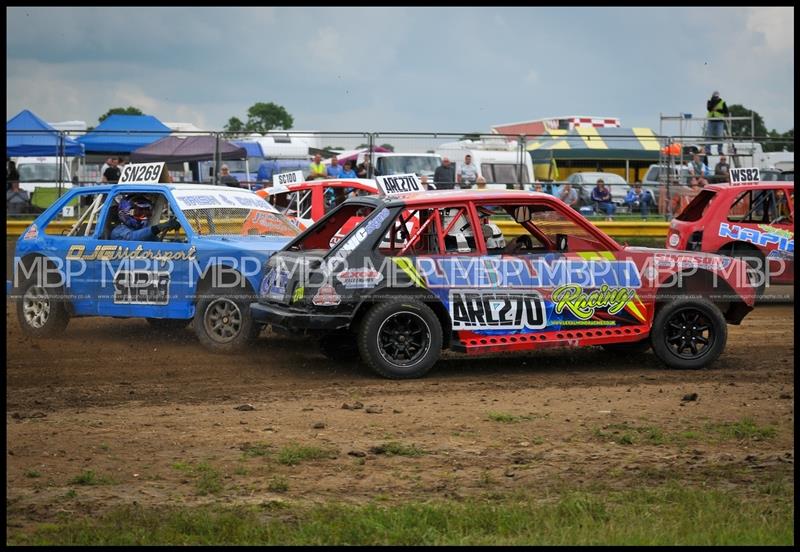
[(134, 215)]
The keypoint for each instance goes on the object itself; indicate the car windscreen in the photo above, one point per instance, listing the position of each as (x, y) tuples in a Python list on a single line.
[(231, 213)]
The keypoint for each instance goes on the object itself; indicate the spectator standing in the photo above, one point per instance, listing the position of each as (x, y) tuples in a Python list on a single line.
[(12, 174), (105, 166), (715, 127), (334, 169), (112, 173), (699, 169), (639, 199), (722, 168), (445, 175), (17, 201), (347, 170), (480, 183), (226, 178), (364, 170), (317, 169), (601, 196), (569, 196), (468, 173)]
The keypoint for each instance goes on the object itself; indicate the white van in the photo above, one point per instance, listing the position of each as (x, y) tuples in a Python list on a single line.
[(386, 163), (42, 172), (497, 160)]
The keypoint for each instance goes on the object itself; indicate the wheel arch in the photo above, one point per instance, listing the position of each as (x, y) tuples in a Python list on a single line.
[(417, 294), (701, 283)]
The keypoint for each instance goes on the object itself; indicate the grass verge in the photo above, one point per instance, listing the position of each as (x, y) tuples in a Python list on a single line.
[(666, 515)]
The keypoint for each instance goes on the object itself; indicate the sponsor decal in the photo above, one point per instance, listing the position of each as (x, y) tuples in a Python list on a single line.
[(139, 287), (783, 240), (117, 252), (294, 177), (32, 233), (583, 305), (490, 271), (744, 176), (497, 310), (778, 254), (274, 283), (326, 297), (777, 231), (359, 278), (298, 294), (399, 184), (141, 173), (674, 239), (359, 235), (230, 199), (690, 261)]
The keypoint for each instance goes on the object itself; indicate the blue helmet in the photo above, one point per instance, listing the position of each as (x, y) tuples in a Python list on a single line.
[(135, 211)]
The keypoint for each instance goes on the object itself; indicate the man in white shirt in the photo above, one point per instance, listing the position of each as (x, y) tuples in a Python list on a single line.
[(468, 173)]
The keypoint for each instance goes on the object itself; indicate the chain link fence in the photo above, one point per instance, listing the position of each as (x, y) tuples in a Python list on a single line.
[(671, 169)]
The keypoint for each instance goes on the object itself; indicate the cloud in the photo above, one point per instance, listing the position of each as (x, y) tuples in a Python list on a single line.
[(775, 24)]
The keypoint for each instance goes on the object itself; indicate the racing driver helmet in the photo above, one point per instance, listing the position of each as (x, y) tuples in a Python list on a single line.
[(135, 211)]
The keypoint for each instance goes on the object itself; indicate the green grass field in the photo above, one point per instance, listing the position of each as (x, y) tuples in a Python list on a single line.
[(671, 514)]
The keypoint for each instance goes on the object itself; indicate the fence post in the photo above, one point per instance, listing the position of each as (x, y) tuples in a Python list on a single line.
[(371, 144), (217, 157)]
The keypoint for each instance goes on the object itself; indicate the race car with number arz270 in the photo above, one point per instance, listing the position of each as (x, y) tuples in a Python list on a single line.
[(487, 271), (175, 254)]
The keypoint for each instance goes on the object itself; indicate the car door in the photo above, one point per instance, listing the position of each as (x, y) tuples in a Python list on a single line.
[(151, 279), (578, 279)]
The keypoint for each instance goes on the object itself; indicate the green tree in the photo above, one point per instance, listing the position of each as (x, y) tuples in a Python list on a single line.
[(120, 111), (234, 125), (388, 147), (743, 128), (263, 117)]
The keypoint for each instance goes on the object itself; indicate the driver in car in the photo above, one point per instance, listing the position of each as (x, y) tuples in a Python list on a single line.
[(134, 215)]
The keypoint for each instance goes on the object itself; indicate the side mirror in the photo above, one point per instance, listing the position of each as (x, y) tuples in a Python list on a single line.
[(561, 242), (522, 214)]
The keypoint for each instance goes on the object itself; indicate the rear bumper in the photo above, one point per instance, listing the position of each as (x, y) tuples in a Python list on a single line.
[(294, 320)]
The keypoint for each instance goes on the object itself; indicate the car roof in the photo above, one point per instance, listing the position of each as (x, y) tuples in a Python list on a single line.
[(446, 196), (170, 186), (308, 184), (759, 186)]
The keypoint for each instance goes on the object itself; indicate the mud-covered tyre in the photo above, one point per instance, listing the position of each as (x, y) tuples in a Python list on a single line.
[(169, 324), (41, 309), (688, 334), (640, 346), (223, 323), (339, 346), (400, 339)]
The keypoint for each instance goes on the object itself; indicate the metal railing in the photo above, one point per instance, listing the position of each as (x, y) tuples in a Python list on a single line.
[(514, 161)]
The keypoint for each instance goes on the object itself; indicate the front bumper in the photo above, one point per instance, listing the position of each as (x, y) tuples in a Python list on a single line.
[(294, 320)]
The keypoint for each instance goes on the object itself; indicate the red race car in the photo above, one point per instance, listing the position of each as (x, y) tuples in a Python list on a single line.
[(397, 294), (754, 221), (305, 202)]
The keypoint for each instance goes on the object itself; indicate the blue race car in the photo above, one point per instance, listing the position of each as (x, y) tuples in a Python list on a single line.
[(174, 254)]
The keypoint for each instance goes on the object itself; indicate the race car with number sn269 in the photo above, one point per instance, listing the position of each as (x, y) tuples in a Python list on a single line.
[(174, 254), (397, 293)]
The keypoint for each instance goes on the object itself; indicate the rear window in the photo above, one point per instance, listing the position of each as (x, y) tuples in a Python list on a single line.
[(697, 207)]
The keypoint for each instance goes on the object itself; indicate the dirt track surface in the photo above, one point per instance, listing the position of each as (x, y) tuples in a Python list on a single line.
[(143, 410)]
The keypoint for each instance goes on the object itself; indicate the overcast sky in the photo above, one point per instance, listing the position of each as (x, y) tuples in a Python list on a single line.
[(399, 69)]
